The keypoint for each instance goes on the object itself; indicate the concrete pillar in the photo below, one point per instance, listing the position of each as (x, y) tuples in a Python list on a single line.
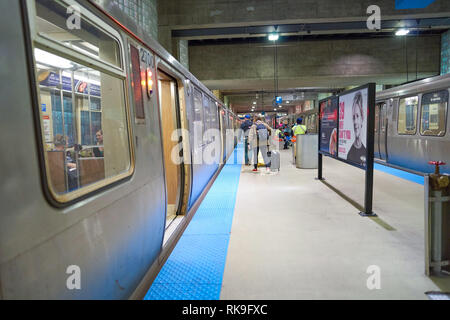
[(165, 38), (445, 52)]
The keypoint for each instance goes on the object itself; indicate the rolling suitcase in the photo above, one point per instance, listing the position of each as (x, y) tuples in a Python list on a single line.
[(274, 160)]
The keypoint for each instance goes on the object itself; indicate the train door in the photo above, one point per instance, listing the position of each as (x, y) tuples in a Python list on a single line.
[(170, 120), (381, 131)]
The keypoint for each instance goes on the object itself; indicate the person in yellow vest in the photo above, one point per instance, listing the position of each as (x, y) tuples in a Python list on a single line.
[(299, 128)]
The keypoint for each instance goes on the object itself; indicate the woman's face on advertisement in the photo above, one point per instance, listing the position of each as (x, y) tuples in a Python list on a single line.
[(357, 120)]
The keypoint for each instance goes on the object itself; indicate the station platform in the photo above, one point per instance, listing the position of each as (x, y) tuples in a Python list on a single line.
[(285, 235)]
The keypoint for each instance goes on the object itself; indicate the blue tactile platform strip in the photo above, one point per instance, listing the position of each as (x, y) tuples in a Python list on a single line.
[(399, 173), (194, 270)]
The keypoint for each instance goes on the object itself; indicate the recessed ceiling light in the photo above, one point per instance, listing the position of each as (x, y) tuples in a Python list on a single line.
[(402, 32), (273, 36)]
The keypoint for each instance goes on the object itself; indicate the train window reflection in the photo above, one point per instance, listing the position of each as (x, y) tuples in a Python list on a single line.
[(207, 119), (52, 22), (434, 113), (407, 115), (198, 118), (84, 123)]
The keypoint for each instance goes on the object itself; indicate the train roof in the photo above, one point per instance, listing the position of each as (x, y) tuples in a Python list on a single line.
[(424, 85)]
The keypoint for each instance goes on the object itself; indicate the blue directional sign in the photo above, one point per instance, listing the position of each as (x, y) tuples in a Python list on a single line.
[(412, 4), (278, 100)]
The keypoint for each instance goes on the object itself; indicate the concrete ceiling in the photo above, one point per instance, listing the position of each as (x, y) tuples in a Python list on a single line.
[(242, 101), (330, 27)]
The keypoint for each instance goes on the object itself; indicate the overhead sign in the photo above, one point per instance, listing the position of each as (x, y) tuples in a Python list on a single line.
[(278, 100), (348, 121)]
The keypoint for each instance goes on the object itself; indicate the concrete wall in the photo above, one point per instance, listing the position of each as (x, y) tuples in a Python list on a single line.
[(445, 53), (142, 13), (330, 63), (183, 55), (235, 12)]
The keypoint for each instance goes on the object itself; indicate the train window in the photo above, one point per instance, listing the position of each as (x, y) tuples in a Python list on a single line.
[(53, 22), (197, 105), (85, 127), (207, 118), (214, 115), (407, 115), (198, 118), (434, 113)]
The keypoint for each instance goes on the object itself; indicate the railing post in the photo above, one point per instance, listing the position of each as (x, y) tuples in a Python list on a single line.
[(437, 227)]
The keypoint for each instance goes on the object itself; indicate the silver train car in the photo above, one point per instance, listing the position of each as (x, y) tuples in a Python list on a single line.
[(96, 188), (412, 124), (310, 120)]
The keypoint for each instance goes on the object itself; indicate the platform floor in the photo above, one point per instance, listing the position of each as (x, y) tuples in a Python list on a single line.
[(288, 236), (293, 237)]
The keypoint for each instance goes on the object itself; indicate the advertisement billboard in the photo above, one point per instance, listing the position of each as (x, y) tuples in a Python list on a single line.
[(353, 115), (347, 121), (328, 121)]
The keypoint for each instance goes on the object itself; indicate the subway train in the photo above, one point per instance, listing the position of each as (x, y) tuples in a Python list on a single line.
[(99, 148), (411, 125), (310, 119)]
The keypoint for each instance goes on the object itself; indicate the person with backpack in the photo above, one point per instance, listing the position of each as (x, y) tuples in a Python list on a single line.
[(259, 141), (245, 127)]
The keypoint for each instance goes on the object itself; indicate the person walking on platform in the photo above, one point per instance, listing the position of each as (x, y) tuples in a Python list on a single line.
[(245, 127), (259, 140), (287, 131)]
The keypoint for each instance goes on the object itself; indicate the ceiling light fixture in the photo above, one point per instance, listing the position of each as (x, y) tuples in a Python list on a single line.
[(274, 36), (402, 32)]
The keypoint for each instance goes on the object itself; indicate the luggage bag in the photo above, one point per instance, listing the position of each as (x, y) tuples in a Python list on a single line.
[(274, 160)]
